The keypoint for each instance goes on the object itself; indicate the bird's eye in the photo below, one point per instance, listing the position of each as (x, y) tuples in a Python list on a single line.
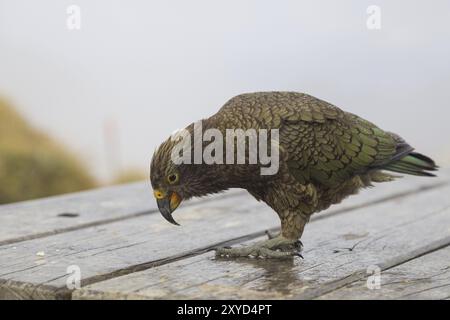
[(172, 178)]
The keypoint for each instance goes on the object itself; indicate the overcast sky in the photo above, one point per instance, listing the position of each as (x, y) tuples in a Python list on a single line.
[(142, 69)]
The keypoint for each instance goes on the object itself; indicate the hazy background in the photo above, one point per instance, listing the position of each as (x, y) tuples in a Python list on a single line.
[(137, 70)]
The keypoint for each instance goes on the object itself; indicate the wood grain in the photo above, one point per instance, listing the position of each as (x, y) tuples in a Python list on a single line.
[(40, 218), (427, 277), (128, 245), (336, 249), (131, 241)]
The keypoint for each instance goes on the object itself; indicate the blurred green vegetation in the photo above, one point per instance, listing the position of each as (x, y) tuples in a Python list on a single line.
[(32, 165), (129, 175)]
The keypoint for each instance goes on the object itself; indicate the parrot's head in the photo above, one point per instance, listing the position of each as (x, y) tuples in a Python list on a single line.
[(166, 181), (172, 183)]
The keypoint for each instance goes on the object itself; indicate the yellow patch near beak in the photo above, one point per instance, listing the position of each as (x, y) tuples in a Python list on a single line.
[(175, 201), (158, 194)]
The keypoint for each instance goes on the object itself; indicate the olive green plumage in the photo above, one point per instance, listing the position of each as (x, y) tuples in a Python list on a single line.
[(323, 143), (326, 154)]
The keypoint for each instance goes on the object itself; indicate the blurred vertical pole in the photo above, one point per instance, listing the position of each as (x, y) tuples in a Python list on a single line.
[(111, 139)]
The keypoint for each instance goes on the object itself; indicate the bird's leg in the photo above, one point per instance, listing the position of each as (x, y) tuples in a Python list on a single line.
[(272, 235), (285, 245)]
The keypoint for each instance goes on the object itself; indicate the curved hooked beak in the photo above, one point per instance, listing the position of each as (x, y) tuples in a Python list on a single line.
[(167, 205)]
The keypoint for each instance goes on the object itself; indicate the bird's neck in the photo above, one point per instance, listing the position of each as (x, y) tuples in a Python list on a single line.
[(220, 177)]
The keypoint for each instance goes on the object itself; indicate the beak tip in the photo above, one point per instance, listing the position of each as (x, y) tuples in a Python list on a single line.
[(169, 218), (166, 208), (167, 214)]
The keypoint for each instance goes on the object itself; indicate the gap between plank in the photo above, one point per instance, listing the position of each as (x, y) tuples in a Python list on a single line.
[(202, 250), (361, 274), (104, 221), (64, 293), (224, 196)]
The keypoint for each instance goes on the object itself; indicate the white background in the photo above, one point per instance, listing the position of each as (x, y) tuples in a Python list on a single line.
[(149, 67)]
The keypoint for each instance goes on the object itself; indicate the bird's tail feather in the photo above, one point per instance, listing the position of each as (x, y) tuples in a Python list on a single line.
[(415, 164)]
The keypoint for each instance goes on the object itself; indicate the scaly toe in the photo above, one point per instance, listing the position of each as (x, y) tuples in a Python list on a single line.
[(276, 254), (235, 252), (276, 248)]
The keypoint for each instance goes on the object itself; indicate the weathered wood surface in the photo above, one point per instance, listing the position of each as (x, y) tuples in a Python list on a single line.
[(39, 218), (338, 250), (427, 277), (123, 246), (34, 218), (113, 240)]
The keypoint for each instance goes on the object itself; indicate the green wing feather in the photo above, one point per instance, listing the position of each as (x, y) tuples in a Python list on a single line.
[(323, 143), (415, 164), (329, 146)]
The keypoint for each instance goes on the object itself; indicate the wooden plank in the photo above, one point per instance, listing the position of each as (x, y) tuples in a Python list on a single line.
[(39, 218), (124, 246), (336, 249), (427, 277), (130, 245), (23, 220)]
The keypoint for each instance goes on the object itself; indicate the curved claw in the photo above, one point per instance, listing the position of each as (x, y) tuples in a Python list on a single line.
[(298, 254)]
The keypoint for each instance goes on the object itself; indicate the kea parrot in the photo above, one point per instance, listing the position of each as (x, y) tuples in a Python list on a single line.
[(325, 155)]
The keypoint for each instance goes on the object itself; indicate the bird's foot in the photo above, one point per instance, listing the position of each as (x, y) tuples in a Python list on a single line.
[(274, 248)]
